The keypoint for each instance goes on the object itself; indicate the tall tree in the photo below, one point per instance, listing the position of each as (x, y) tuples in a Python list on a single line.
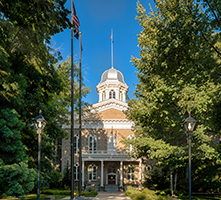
[(30, 80), (178, 71)]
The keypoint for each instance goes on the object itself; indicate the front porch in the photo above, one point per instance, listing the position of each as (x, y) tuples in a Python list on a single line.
[(105, 170)]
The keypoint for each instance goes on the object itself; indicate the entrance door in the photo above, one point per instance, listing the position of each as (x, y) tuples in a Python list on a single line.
[(111, 179)]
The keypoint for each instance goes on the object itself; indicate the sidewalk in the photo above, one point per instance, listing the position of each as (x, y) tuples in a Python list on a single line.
[(111, 195), (104, 196)]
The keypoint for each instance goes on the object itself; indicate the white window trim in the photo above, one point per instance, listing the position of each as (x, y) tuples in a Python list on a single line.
[(76, 172), (131, 173), (93, 173), (130, 148), (109, 142), (77, 144), (94, 139)]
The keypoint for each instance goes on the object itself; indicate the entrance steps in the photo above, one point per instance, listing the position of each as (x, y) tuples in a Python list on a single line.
[(111, 188)]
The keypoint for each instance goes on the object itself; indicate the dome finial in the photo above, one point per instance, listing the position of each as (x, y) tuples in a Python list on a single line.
[(112, 51)]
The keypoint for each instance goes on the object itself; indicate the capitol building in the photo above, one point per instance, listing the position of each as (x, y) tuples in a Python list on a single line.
[(106, 162)]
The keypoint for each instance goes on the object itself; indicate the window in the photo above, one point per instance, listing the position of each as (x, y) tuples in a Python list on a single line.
[(130, 148), (92, 172), (103, 95), (147, 171), (112, 94), (92, 143), (112, 142), (76, 144), (121, 96), (130, 173), (76, 172)]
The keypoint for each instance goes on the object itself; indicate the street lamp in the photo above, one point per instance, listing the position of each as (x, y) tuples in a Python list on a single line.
[(40, 123), (189, 125)]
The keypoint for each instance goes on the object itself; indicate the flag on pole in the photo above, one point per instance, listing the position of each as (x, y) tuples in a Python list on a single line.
[(76, 22)]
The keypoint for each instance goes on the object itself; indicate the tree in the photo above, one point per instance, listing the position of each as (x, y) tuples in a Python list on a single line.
[(178, 71), (30, 80), (16, 178)]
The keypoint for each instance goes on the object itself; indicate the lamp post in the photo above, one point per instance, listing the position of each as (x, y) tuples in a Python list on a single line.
[(189, 125), (40, 123)]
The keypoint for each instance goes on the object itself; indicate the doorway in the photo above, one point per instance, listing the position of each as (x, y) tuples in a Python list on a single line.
[(111, 179)]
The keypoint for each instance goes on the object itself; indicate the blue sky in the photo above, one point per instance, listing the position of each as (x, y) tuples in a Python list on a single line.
[(97, 18)]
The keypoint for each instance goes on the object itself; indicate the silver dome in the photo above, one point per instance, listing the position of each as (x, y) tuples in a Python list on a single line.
[(112, 74)]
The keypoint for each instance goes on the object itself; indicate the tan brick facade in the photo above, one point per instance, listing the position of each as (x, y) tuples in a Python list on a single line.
[(105, 158)]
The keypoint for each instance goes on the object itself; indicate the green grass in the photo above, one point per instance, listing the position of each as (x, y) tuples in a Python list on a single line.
[(58, 194), (34, 197), (147, 194)]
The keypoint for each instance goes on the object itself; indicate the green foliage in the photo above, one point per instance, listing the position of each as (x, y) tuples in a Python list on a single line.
[(91, 193), (30, 80), (178, 71), (16, 179), (145, 194), (66, 180)]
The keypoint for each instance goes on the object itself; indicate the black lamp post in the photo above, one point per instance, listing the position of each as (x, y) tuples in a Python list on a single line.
[(40, 123), (189, 125)]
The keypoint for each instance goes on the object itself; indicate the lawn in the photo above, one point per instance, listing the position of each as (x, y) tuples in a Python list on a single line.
[(147, 194), (58, 194), (34, 197)]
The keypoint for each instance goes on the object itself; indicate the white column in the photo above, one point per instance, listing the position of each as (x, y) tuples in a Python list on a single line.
[(107, 94), (82, 173), (140, 171), (117, 94), (121, 173), (124, 96), (102, 173), (100, 95)]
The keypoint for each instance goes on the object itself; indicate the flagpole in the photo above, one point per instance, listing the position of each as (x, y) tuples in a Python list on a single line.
[(112, 50), (80, 142), (72, 108)]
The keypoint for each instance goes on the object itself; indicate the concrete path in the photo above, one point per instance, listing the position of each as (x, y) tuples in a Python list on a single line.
[(111, 195), (104, 196)]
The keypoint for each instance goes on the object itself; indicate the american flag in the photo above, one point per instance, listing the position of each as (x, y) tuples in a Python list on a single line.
[(76, 22)]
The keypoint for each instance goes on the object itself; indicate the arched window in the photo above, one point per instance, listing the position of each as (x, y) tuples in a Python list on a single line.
[(130, 173), (76, 172), (103, 95), (130, 148), (112, 142), (92, 143), (76, 144), (121, 96), (92, 172), (147, 171), (112, 94)]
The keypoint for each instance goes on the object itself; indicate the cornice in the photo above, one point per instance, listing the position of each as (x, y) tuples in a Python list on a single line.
[(107, 104), (92, 123)]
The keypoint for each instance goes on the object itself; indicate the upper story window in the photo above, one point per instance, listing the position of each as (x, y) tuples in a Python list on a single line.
[(92, 143), (130, 148), (76, 172), (103, 95), (130, 173), (120, 96), (112, 142), (92, 172), (112, 94), (76, 144)]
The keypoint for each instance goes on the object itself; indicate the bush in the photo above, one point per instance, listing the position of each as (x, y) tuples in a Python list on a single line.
[(145, 194), (56, 192), (91, 193)]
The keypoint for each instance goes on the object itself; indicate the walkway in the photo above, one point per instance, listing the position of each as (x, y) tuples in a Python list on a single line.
[(104, 196), (111, 195)]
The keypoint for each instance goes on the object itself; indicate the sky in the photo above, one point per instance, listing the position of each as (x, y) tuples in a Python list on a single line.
[(97, 18)]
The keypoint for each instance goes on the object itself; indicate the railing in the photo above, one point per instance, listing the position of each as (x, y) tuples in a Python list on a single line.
[(103, 152)]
